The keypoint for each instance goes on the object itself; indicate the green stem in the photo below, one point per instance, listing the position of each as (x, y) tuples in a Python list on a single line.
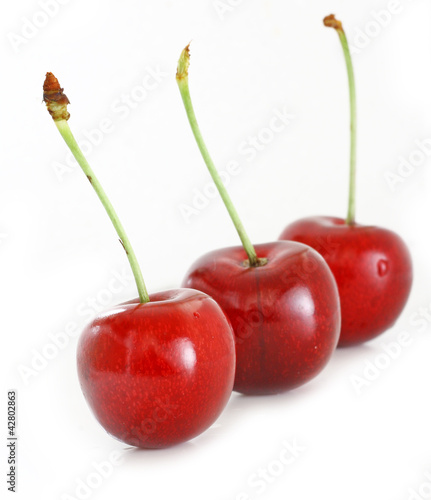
[(67, 135), (333, 23), (183, 84)]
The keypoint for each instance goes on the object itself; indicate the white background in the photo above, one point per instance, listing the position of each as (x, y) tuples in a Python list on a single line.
[(58, 251)]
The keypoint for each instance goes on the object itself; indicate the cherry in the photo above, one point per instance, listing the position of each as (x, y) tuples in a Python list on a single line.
[(280, 297), (372, 268), (159, 374), (372, 265), (157, 370)]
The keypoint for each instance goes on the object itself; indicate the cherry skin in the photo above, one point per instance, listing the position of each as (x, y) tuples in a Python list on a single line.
[(372, 267), (159, 373), (285, 313)]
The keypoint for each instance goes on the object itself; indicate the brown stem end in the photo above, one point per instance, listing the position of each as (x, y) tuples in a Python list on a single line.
[(54, 98), (183, 63), (331, 22)]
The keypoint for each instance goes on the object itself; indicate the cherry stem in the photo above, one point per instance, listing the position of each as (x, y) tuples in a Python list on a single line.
[(332, 22), (183, 84), (56, 103)]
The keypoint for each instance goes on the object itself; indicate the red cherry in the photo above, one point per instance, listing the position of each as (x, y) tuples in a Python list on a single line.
[(158, 370), (372, 267), (285, 314), (159, 373), (281, 298)]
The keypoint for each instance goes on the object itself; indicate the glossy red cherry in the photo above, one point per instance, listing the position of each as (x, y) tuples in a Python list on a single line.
[(281, 298), (158, 370), (372, 267), (159, 373), (285, 314)]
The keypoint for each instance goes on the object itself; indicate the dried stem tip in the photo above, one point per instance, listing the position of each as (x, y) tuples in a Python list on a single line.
[(56, 102), (183, 64), (331, 22)]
